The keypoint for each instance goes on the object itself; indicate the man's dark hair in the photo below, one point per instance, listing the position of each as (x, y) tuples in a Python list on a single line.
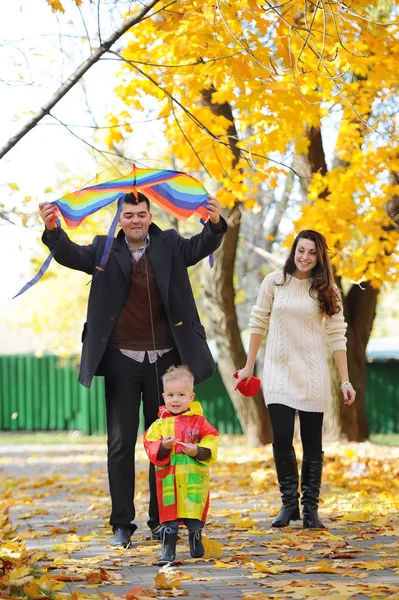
[(131, 199)]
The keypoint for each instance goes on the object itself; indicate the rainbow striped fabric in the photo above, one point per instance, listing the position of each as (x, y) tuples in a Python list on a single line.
[(176, 192)]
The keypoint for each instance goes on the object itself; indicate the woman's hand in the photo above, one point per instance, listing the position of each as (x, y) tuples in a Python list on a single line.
[(244, 374), (168, 442), (349, 395)]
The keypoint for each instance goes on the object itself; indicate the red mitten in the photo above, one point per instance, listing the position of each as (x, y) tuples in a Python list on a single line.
[(250, 388)]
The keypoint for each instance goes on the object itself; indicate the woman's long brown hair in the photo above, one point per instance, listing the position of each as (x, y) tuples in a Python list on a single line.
[(323, 279)]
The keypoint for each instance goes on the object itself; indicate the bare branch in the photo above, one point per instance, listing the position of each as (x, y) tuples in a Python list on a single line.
[(200, 61), (78, 74), (104, 153), (187, 140), (269, 258), (85, 28)]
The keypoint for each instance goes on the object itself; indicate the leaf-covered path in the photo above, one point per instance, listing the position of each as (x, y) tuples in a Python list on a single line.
[(55, 506)]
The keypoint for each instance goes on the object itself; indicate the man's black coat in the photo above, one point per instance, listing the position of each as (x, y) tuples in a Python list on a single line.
[(170, 255)]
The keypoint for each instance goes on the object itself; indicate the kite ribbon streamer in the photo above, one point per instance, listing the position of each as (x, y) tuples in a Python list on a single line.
[(110, 237), (38, 275), (41, 271)]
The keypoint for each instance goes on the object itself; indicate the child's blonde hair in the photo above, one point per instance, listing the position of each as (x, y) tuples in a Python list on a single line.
[(177, 373)]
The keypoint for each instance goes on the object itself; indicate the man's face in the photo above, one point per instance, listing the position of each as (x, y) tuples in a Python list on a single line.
[(135, 220)]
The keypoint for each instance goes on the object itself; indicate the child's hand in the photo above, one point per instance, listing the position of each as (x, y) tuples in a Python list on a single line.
[(190, 449), (168, 442)]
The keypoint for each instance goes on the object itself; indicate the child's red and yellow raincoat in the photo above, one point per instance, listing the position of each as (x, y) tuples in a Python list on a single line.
[(182, 481)]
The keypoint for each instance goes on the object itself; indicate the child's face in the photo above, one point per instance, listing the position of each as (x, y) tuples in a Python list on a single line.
[(177, 394)]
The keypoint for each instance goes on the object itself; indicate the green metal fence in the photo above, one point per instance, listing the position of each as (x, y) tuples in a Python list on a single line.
[(382, 396), (42, 394)]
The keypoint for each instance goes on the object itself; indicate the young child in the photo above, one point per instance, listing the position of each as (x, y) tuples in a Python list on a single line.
[(181, 444)]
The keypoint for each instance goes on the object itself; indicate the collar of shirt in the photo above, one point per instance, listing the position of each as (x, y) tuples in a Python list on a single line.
[(137, 253)]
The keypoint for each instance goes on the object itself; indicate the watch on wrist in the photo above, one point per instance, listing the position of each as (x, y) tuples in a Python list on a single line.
[(345, 384)]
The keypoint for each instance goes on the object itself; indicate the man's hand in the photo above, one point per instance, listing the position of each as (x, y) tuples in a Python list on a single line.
[(168, 442), (213, 209), (190, 449), (48, 213)]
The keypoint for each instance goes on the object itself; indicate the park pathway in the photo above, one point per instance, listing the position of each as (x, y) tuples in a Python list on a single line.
[(58, 498)]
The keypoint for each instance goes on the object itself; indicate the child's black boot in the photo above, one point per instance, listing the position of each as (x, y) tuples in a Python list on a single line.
[(196, 545), (169, 540)]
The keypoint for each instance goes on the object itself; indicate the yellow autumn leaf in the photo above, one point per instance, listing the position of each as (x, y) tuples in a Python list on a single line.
[(224, 94), (357, 516), (302, 145), (320, 567), (63, 547), (212, 548), (136, 594), (31, 589), (56, 6), (20, 576), (168, 580), (242, 522), (219, 564), (34, 513), (240, 296), (166, 108), (251, 204), (270, 568), (13, 186), (72, 538)]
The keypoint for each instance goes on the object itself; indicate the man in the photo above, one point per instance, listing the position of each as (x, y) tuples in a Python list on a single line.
[(141, 319)]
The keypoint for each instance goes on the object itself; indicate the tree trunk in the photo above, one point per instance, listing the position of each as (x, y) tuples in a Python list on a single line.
[(360, 309), (219, 303), (219, 299), (312, 162)]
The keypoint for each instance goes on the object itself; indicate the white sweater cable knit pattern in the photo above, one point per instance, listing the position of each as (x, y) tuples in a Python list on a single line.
[(296, 370)]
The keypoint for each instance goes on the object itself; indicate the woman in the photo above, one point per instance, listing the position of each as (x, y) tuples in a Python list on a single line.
[(298, 306)]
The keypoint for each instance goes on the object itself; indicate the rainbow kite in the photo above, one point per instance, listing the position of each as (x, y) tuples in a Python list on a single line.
[(178, 193)]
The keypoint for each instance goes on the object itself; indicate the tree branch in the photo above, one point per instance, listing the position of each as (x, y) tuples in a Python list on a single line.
[(77, 75)]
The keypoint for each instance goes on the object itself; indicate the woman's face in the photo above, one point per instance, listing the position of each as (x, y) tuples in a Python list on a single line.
[(305, 255)]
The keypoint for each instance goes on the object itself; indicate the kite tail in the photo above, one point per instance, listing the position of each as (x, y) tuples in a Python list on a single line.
[(38, 275), (42, 269), (211, 257), (110, 237)]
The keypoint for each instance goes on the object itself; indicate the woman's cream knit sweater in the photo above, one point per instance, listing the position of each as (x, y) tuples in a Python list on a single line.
[(295, 371)]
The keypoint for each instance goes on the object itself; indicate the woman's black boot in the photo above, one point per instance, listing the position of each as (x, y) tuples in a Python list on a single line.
[(312, 467), (287, 475), (169, 540)]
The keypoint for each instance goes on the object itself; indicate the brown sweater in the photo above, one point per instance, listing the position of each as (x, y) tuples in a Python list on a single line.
[(202, 452), (133, 329)]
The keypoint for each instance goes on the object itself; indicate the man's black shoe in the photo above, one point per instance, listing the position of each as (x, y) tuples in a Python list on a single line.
[(122, 537)]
